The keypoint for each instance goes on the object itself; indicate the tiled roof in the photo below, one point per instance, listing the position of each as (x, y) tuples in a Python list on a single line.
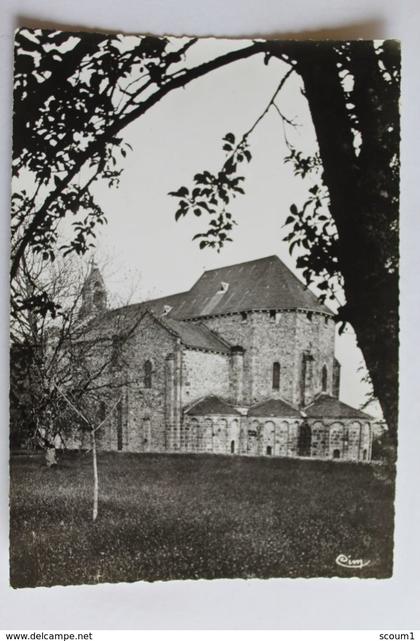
[(260, 284), (273, 407), (124, 321), (197, 335), (326, 406), (265, 283), (212, 405)]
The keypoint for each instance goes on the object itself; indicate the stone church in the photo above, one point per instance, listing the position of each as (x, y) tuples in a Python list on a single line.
[(241, 364)]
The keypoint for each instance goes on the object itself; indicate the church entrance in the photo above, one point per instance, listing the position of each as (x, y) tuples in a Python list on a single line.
[(304, 440)]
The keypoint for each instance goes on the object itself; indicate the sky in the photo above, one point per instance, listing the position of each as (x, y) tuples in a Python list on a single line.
[(145, 252)]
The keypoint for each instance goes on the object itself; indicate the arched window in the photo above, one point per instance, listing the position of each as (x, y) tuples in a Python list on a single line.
[(276, 376), (148, 374), (324, 378), (147, 434), (304, 439), (336, 453)]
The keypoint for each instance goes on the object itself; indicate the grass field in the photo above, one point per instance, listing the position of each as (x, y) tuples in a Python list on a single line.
[(195, 516)]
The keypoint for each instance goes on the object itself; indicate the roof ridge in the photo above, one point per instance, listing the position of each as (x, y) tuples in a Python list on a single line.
[(270, 398), (211, 398), (301, 283), (145, 302), (244, 262), (161, 322), (329, 397)]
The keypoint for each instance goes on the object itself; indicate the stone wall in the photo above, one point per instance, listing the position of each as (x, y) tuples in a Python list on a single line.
[(346, 440), (149, 418), (204, 374), (237, 332), (143, 407), (272, 437), (265, 341), (137, 421), (315, 335), (213, 434), (282, 337)]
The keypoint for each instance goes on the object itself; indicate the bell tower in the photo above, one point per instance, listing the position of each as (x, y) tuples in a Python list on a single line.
[(94, 296)]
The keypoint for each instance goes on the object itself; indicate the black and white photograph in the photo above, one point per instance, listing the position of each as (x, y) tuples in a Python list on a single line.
[(204, 308)]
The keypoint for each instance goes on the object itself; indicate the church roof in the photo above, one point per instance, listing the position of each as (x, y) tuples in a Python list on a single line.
[(326, 406), (262, 284), (125, 320), (273, 407), (265, 283), (211, 405), (197, 336)]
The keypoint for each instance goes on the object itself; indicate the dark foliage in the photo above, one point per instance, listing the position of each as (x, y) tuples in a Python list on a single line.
[(346, 231), (75, 93)]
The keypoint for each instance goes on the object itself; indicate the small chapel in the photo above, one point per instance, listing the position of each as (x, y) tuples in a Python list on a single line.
[(241, 364)]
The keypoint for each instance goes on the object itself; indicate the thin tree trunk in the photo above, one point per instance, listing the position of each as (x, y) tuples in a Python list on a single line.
[(95, 478)]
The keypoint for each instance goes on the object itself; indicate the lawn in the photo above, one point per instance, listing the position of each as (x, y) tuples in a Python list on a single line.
[(195, 516)]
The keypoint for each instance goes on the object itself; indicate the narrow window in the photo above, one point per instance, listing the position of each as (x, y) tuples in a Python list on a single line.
[(276, 376), (232, 447), (273, 315), (304, 440), (324, 378), (269, 450), (364, 455), (244, 317), (148, 374), (336, 454)]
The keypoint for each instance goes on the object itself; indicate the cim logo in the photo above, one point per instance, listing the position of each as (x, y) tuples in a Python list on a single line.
[(345, 561)]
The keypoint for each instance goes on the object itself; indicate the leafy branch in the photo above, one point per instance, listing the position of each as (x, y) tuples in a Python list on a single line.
[(212, 192)]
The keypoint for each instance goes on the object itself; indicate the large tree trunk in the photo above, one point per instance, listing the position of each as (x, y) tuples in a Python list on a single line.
[(363, 202)]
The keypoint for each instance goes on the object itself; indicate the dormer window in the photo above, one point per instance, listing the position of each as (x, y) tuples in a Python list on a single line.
[(223, 288), (166, 310)]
